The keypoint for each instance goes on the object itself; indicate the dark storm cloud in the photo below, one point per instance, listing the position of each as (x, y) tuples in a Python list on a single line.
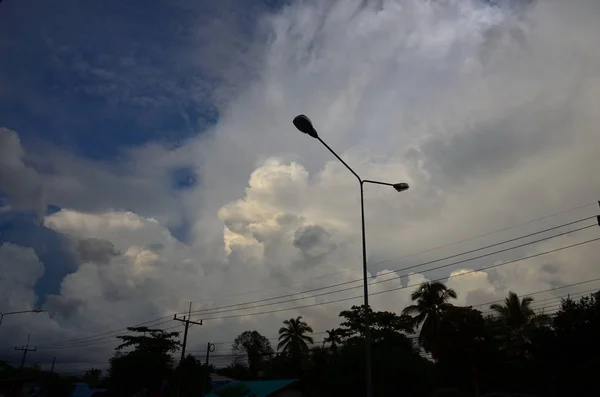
[(20, 182), (95, 250), (313, 241)]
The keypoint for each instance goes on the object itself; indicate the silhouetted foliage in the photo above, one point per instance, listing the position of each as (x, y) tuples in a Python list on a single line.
[(293, 338), (571, 355), (513, 349), (383, 325), (334, 338), (151, 340), (432, 302), (255, 348), (59, 386), (146, 365), (190, 376), (516, 322), (92, 377)]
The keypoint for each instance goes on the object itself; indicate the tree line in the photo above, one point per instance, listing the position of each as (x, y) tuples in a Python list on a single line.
[(432, 348)]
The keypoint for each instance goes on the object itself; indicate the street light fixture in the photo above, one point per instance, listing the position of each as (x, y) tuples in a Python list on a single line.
[(400, 187), (19, 312), (303, 124)]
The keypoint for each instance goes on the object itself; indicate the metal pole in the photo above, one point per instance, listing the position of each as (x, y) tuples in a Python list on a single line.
[(368, 373), (207, 353), (18, 312), (210, 347), (185, 333), (304, 125), (25, 350), (187, 321)]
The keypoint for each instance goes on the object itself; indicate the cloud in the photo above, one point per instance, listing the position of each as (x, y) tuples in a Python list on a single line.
[(140, 180), (20, 269), (19, 181), (95, 250), (313, 241), (473, 287)]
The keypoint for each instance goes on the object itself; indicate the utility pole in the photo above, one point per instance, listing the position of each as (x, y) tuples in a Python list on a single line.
[(187, 323), (52, 368), (25, 349), (210, 347)]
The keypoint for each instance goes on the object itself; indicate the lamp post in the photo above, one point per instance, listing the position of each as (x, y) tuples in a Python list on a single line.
[(18, 312), (303, 124)]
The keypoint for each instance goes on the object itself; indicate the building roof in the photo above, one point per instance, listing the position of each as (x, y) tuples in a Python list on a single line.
[(262, 388), (83, 390), (221, 378)]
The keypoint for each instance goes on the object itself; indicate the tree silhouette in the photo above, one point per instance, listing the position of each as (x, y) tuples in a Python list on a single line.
[(510, 351), (432, 301), (334, 338), (92, 377), (255, 347), (517, 321), (151, 340), (573, 354), (383, 325), (293, 338), (461, 345), (147, 362)]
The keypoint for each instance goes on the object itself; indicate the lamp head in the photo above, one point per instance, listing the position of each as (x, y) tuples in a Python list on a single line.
[(400, 187), (303, 123)]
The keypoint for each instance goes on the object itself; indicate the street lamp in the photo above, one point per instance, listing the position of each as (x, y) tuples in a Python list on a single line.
[(304, 124), (19, 312)]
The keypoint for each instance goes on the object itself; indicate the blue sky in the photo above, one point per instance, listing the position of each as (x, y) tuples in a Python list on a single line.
[(98, 78), (95, 77)]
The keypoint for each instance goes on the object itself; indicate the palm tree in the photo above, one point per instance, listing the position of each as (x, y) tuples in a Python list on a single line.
[(432, 301), (293, 338), (334, 338), (518, 320)]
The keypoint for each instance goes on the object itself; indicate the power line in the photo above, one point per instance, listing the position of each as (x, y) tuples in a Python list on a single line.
[(407, 286), (542, 291), (100, 340), (276, 338), (574, 294), (187, 322), (409, 255), (222, 357), (25, 349), (579, 293), (390, 290), (96, 337), (416, 253), (233, 307), (493, 232), (115, 332), (566, 296), (553, 304)]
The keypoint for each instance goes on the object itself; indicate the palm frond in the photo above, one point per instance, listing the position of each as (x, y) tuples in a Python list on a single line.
[(283, 344), (307, 339)]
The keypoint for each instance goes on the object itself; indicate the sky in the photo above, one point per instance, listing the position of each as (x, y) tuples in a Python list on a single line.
[(148, 160)]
